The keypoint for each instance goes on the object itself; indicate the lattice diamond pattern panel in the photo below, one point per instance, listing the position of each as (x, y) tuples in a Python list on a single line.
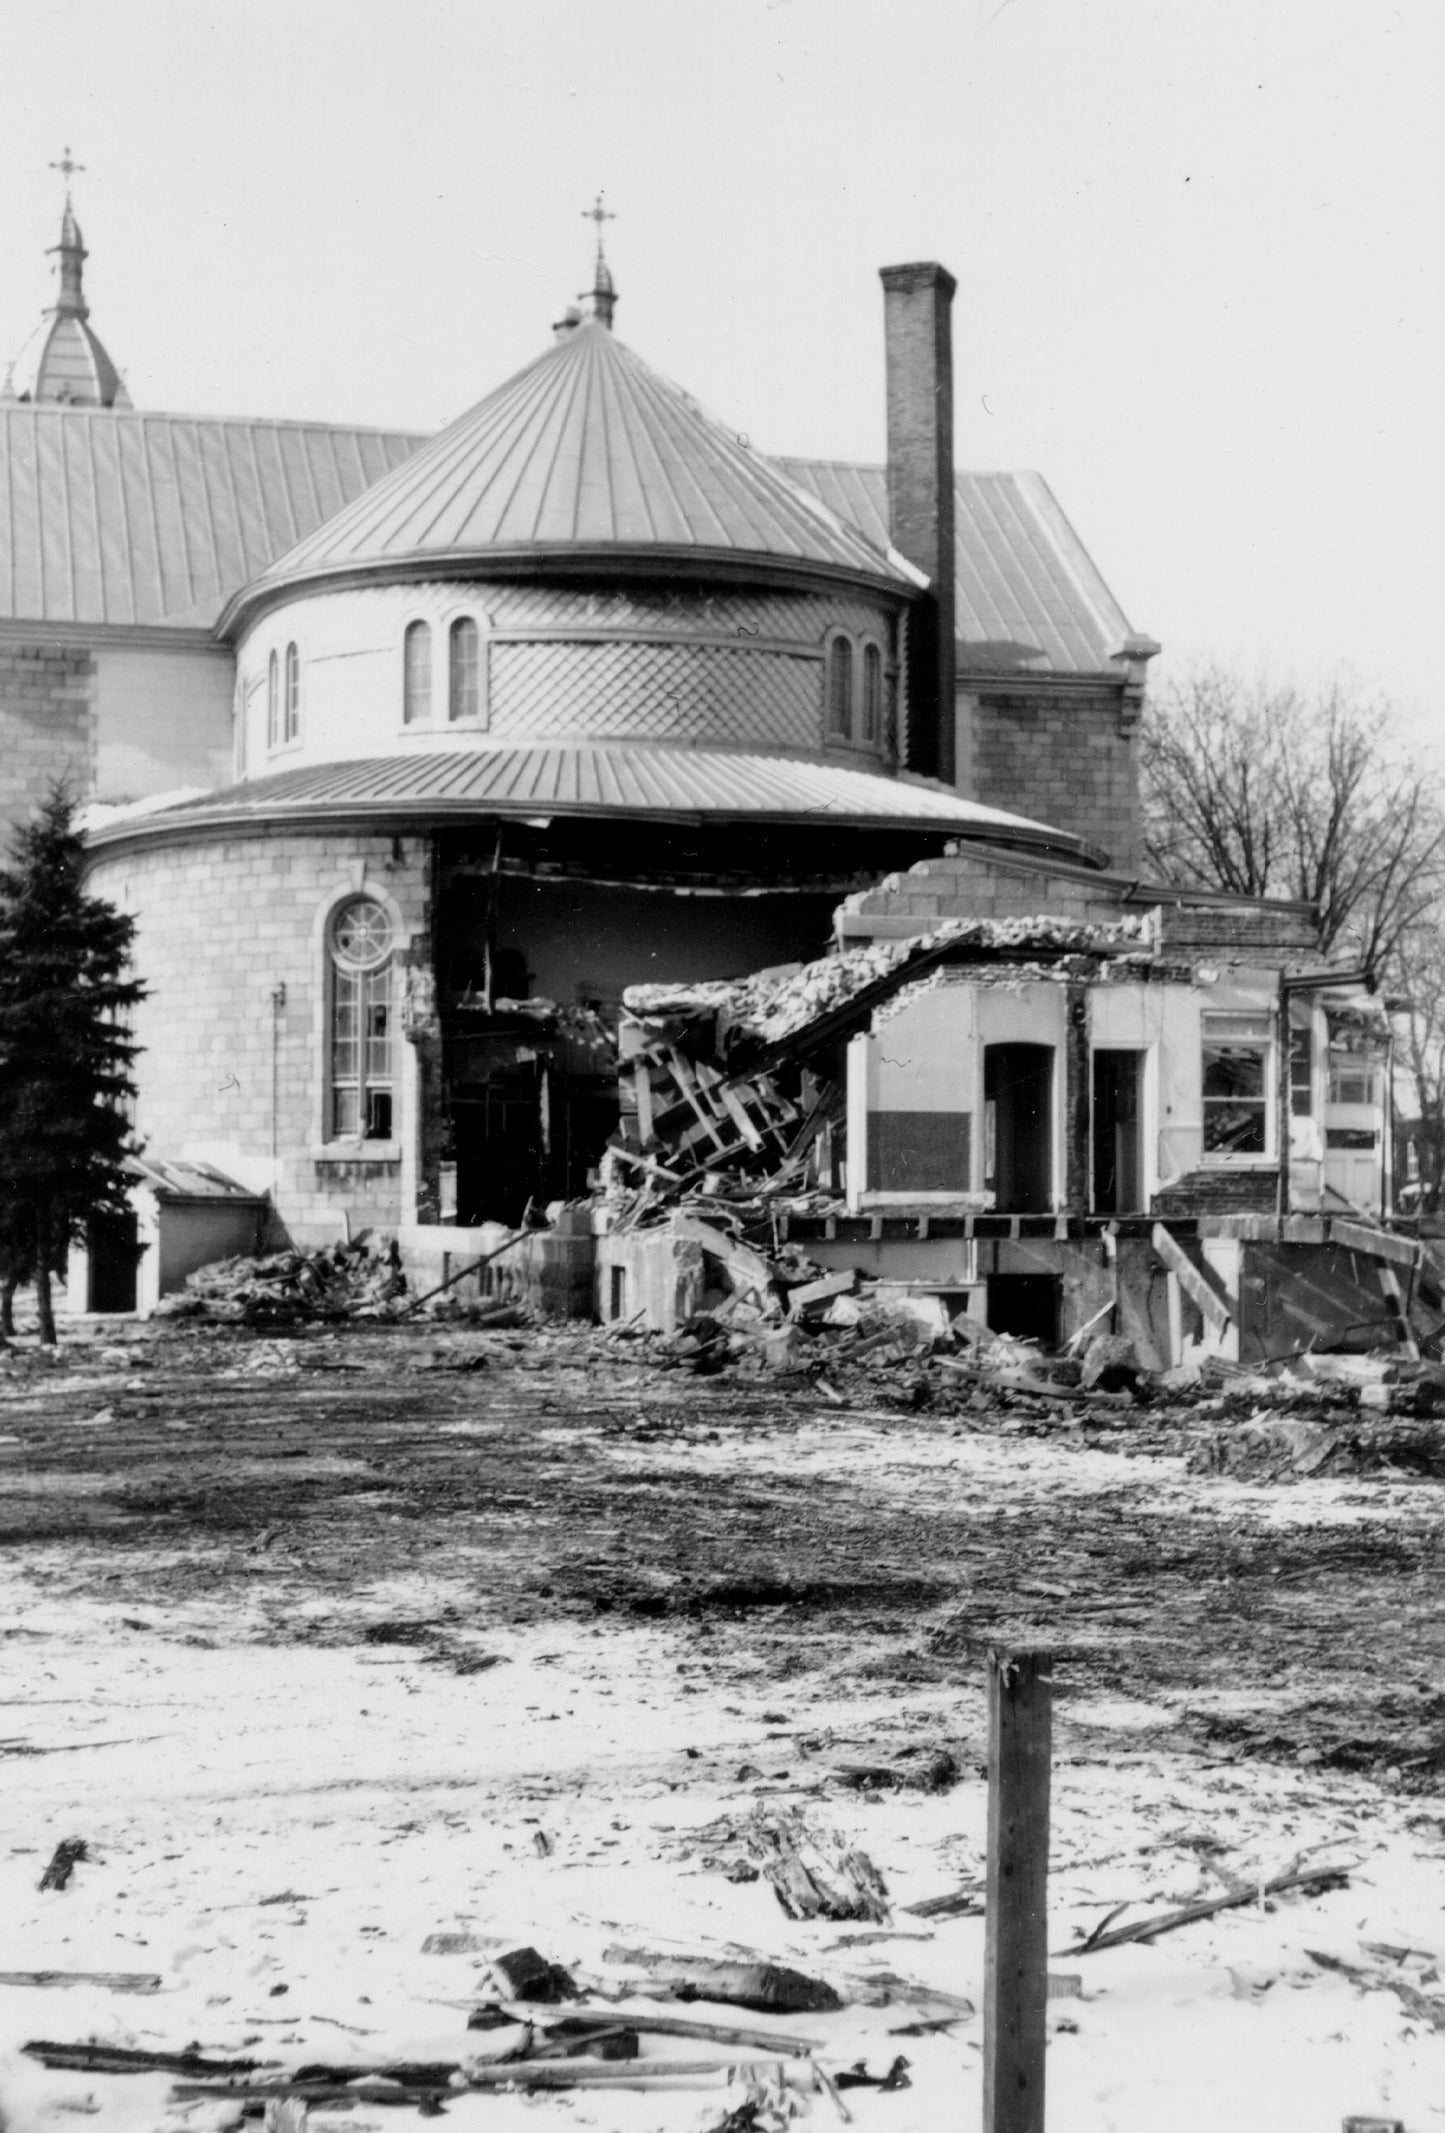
[(802, 617), (679, 692)]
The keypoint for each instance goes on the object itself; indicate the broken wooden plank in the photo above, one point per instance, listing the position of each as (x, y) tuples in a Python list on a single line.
[(961, 1903), (766, 1988), (582, 2021), (1217, 1315), (108, 1980), (822, 1291), (746, 1267), (119, 2059), (1374, 1243), (1315, 1879)]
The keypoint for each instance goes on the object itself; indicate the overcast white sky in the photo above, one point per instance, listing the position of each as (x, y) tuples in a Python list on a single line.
[(1197, 242)]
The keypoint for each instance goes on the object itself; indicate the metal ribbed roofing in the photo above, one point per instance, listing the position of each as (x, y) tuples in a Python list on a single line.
[(676, 783), (585, 450), (1028, 595), (113, 516)]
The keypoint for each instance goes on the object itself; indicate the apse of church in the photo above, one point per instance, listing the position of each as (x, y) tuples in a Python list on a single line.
[(473, 732)]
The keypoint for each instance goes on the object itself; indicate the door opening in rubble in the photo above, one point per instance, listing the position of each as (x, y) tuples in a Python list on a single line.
[(1025, 1305), (114, 1254), (1018, 1086), (1118, 1137)]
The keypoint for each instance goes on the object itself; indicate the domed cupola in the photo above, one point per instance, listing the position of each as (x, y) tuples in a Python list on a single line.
[(66, 364)]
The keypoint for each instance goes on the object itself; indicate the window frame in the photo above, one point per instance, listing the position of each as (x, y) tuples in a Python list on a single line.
[(424, 712), (839, 721), (291, 696), (273, 700), (1263, 1038), (359, 985), (870, 721), (465, 620)]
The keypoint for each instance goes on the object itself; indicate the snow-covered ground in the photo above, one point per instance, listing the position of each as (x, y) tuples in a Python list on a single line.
[(275, 1828)]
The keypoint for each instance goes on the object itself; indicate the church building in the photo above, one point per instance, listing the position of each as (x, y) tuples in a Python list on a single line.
[(409, 754)]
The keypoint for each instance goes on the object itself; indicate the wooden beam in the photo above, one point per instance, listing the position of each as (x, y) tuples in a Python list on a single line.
[(1016, 1899), (1375, 1243), (1216, 1312)]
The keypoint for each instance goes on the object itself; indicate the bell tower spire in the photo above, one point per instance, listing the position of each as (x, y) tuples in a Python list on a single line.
[(66, 363), (603, 291), (70, 303)]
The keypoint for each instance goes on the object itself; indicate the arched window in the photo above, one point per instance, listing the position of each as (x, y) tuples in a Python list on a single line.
[(416, 673), (293, 693), (463, 699), (273, 701), (840, 689), (872, 693), (361, 1064)]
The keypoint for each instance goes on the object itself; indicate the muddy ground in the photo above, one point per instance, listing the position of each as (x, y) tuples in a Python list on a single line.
[(554, 1476)]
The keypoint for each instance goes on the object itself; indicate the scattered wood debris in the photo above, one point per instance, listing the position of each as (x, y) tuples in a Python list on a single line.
[(815, 1874), (63, 1862), (1314, 1879)]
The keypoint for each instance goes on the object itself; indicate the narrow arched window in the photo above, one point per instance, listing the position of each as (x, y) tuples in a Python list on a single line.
[(273, 701), (872, 693), (293, 693), (416, 673), (361, 1066), (840, 689), (463, 699)]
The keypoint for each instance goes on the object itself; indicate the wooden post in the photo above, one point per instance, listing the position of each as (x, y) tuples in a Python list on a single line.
[(1016, 1959)]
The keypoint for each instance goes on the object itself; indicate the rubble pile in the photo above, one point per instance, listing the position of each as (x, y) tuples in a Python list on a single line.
[(360, 1279)]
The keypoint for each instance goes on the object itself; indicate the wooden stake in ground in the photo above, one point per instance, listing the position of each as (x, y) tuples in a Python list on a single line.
[(1016, 1958)]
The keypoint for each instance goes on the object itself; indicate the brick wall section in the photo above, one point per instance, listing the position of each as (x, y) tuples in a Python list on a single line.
[(1220, 1192), (967, 886), (220, 926), (47, 725), (1067, 759)]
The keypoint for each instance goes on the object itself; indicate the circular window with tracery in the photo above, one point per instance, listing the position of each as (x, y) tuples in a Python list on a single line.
[(361, 934)]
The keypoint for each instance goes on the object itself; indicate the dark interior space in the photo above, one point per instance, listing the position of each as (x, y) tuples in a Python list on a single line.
[(1018, 1082), (1117, 1129), (1026, 1305)]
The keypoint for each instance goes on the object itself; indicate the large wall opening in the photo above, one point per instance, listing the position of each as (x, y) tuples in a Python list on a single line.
[(1018, 1096)]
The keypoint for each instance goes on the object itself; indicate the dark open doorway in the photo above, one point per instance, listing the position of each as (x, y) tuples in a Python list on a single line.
[(1018, 1088), (1118, 1133), (113, 1249), (1026, 1305)]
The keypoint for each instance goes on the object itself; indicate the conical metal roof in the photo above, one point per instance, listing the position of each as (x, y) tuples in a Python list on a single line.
[(586, 455)]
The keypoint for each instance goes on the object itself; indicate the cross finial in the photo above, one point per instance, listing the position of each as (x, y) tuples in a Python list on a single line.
[(67, 166), (596, 213), (604, 290)]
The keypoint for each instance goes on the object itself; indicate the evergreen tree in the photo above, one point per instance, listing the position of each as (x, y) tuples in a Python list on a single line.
[(65, 1052)]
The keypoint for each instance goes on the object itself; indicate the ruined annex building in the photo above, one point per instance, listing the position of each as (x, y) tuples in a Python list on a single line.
[(410, 755)]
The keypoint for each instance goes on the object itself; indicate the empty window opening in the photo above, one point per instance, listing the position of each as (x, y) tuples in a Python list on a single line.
[(1117, 1135)]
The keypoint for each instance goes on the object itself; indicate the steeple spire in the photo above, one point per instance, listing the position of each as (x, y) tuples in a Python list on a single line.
[(70, 303), (603, 291), (66, 363)]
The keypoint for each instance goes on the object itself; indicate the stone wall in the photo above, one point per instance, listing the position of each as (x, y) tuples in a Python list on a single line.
[(968, 885), (1065, 757), (231, 1072), (47, 725)]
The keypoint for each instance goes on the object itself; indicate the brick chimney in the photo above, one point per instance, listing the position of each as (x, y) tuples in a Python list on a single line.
[(919, 341)]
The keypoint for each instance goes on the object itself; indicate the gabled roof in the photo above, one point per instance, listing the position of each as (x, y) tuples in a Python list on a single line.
[(586, 455), (1028, 596), (112, 517), (613, 779)]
